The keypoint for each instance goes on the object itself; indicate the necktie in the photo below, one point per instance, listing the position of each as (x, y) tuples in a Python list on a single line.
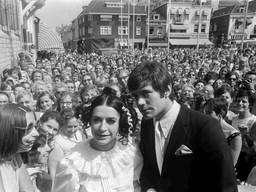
[(159, 143)]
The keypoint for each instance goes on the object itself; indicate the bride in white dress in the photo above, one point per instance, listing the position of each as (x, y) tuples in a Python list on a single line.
[(110, 161)]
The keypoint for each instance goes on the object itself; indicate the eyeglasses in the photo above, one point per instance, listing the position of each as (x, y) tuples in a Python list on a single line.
[(232, 79)]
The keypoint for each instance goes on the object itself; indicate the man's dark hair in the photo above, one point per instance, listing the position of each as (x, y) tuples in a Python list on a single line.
[(152, 73)]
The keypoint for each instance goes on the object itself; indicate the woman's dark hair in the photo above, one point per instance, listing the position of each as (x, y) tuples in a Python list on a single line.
[(224, 89), (229, 74), (210, 75), (109, 91), (152, 73), (242, 92), (13, 125), (127, 125), (48, 115), (219, 106)]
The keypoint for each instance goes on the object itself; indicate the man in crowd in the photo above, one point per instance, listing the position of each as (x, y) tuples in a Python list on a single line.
[(183, 150)]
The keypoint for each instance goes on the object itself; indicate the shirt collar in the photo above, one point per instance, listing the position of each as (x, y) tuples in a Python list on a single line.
[(168, 120)]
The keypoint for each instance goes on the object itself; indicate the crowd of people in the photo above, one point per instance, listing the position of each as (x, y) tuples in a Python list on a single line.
[(145, 120)]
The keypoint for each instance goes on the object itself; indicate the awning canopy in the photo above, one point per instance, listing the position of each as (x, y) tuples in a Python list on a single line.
[(251, 41), (158, 44), (48, 39), (190, 42), (179, 27)]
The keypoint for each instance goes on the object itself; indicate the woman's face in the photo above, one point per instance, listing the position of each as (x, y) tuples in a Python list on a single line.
[(105, 125), (66, 102), (242, 104), (50, 127), (46, 103), (71, 127), (31, 133)]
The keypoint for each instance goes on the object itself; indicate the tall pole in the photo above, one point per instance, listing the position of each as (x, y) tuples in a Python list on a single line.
[(128, 24), (244, 23), (121, 24), (133, 25), (168, 26), (199, 26), (148, 23)]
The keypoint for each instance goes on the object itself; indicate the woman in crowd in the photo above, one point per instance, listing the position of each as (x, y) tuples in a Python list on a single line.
[(244, 122), (110, 160), (225, 92), (218, 109), (18, 133), (45, 101), (70, 134)]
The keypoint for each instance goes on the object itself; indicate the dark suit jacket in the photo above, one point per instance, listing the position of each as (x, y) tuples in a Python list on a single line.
[(208, 169)]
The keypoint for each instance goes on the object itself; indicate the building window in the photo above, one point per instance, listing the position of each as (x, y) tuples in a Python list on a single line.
[(159, 31), (106, 17), (124, 17), (83, 32), (186, 17), (178, 31), (254, 29), (138, 18), (203, 28), (179, 18), (105, 30), (151, 30), (242, 9), (138, 31), (196, 28), (123, 30), (156, 17), (114, 4), (204, 15), (90, 17), (90, 30)]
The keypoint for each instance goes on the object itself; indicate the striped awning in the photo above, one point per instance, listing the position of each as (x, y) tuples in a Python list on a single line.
[(48, 39)]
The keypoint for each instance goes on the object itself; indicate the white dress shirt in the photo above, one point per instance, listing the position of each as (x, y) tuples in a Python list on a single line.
[(163, 128)]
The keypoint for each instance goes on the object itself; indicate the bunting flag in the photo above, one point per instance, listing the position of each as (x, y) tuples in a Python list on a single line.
[(48, 39)]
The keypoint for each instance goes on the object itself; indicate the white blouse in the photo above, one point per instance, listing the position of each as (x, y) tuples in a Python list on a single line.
[(88, 170)]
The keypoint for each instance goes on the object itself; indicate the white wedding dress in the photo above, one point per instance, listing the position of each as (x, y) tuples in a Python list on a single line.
[(88, 170)]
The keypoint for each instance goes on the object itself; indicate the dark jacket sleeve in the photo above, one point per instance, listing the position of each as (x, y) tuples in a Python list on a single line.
[(215, 168)]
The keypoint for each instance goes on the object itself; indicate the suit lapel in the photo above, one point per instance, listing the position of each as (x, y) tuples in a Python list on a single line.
[(150, 135), (178, 136)]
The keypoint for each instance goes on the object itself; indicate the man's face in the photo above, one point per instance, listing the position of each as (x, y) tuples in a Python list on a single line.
[(150, 103)]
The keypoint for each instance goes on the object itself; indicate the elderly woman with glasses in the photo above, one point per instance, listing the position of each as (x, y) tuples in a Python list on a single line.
[(18, 133)]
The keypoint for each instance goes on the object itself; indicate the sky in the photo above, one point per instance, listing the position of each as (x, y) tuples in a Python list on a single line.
[(57, 12)]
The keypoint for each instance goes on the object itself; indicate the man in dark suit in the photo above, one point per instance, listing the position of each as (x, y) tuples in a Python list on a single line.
[(183, 150)]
